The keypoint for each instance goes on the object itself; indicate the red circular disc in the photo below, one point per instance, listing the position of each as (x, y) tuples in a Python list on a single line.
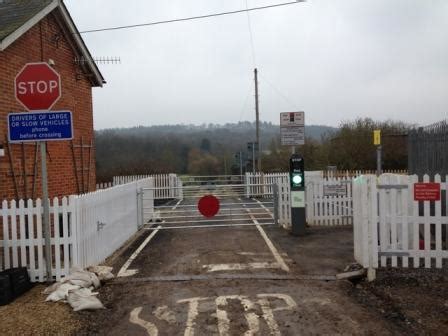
[(208, 206)]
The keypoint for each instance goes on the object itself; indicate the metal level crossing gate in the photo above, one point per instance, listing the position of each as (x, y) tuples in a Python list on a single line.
[(211, 206)]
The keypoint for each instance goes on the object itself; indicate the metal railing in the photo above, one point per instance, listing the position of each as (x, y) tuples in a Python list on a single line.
[(235, 209)]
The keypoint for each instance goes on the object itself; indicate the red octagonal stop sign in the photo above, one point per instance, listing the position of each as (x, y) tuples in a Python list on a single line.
[(37, 86)]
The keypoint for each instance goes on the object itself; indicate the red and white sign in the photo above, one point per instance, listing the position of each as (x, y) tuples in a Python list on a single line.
[(37, 86), (208, 206), (426, 191)]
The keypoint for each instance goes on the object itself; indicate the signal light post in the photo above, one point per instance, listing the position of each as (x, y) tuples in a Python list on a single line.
[(297, 180)]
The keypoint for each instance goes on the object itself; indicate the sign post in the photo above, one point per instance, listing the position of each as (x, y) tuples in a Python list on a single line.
[(377, 142), (239, 161), (292, 133), (253, 151), (297, 180), (37, 87), (46, 207)]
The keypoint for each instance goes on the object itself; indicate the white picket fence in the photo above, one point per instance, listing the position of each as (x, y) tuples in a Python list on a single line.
[(86, 229), (22, 242), (324, 210), (166, 186), (348, 174), (392, 229), (321, 210), (104, 185)]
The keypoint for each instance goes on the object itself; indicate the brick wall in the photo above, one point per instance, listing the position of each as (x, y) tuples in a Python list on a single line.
[(42, 42)]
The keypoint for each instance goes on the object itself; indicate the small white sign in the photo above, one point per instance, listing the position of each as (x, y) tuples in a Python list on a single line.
[(335, 190), (297, 199), (292, 119), (292, 136)]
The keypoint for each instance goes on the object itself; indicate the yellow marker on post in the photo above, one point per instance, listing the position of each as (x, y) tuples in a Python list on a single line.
[(377, 143), (377, 137)]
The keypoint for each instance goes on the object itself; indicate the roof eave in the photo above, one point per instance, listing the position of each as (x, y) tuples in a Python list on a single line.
[(97, 76), (7, 41)]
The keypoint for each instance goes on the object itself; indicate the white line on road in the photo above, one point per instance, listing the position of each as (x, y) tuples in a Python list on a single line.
[(273, 249), (150, 328), (284, 254), (193, 304), (262, 205), (124, 272), (271, 246), (239, 267)]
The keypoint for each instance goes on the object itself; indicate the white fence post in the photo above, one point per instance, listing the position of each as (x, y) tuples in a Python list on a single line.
[(86, 229)]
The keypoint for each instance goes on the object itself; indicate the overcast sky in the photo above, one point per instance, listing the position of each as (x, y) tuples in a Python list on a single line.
[(334, 59)]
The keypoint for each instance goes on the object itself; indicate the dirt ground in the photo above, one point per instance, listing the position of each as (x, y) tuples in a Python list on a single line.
[(416, 300), (297, 307), (31, 315), (176, 291)]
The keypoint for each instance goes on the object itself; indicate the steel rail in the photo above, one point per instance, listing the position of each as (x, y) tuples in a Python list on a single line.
[(206, 226), (218, 215), (222, 204), (213, 220)]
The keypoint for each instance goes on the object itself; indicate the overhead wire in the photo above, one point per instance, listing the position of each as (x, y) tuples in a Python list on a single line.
[(243, 110), (191, 17), (251, 35), (285, 98)]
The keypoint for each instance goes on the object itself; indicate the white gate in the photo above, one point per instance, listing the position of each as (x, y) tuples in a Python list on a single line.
[(231, 207), (392, 229)]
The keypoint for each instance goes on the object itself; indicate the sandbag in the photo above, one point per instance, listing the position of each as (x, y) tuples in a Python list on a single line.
[(84, 299), (83, 279), (104, 273), (61, 292), (52, 288)]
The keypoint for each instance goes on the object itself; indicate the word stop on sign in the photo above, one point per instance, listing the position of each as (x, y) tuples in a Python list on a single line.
[(33, 87)]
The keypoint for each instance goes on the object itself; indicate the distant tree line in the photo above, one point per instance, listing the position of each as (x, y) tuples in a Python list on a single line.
[(210, 149), (350, 147)]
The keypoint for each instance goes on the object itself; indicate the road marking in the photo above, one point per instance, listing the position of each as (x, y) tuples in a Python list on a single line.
[(277, 256), (175, 206), (258, 255), (239, 267), (124, 272), (269, 243), (273, 249), (268, 312), (163, 313), (223, 319), (284, 254), (262, 205), (151, 329), (193, 304), (262, 307)]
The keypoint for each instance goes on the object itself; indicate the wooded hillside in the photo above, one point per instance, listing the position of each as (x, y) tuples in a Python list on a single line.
[(210, 149)]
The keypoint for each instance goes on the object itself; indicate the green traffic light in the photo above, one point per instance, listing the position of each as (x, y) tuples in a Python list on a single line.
[(297, 179)]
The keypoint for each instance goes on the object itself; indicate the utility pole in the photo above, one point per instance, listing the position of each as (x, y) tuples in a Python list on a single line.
[(241, 163), (225, 165), (379, 169), (257, 119), (253, 158)]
